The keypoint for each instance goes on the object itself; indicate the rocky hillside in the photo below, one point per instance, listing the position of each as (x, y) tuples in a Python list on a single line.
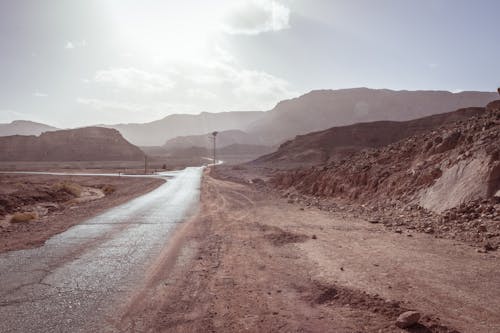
[(338, 142), (437, 170), (444, 182), (24, 127), (156, 133), (322, 109), (83, 144), (224, 139)]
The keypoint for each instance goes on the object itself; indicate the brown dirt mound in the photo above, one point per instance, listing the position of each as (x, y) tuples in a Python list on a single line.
[(325, 294), (285, 237)]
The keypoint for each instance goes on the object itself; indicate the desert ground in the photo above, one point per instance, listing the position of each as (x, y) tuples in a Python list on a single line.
[(52, 204), (253, 261)]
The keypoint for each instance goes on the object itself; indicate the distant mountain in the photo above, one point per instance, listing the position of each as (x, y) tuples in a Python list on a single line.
[(83, 144), (245, 149), (24, 127), (322, 109), (156, 133), (224, 138), (338, 142)]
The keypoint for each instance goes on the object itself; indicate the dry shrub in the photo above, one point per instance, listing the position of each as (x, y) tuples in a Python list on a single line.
[(108, 189), (23, 217), (71, 188)]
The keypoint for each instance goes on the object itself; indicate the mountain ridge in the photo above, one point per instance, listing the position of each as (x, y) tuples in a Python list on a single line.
[(82, 144)]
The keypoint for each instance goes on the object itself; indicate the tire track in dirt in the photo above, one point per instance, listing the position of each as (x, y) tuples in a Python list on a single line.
[(236, 268)]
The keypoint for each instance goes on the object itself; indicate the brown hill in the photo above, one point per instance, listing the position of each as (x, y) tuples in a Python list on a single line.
[(83, 144), (322, 109), (156, 133), (439, 170), (337, 142), (24, 127), (224, 139)]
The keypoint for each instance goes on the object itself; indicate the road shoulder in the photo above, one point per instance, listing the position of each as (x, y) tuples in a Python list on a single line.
[(60, 212)]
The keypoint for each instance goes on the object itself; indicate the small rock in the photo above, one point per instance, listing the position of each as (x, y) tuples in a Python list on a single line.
[(429, 230), (398, 231), (374, 221), (490, 247), (407, 319), (314, 237)]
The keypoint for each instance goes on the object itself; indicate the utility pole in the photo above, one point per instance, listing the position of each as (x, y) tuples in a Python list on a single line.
[(214, 135)]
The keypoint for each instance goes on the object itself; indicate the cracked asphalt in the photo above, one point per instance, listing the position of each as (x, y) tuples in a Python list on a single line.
[(79, 279)]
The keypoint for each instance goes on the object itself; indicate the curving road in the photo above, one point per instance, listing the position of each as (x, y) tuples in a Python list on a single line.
[(78, 279)]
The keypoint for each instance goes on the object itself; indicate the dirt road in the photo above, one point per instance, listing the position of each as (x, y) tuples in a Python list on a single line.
[(253, 262), (80, 278)]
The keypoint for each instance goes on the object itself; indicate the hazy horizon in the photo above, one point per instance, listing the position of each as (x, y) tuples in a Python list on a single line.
[(106, 62)]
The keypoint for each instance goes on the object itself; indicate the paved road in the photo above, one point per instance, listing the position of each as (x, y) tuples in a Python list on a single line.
[(78, 278)]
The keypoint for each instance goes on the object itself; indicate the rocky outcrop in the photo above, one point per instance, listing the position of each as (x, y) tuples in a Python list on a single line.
[(439, 169), (83, 144)]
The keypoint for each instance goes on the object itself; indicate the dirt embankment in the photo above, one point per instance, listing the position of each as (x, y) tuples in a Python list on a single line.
[(35, 207), (445, 181), (251, 261)]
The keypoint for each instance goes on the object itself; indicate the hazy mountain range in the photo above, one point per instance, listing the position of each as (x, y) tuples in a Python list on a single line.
[(24, 127), (314, 111), (339, 142), (322, 109), (156, 133)]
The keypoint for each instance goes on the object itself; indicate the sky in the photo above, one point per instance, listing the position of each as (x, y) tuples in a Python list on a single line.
[(72, 63)]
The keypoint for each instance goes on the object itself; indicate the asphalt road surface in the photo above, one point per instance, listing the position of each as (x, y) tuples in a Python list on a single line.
[(78, 279)]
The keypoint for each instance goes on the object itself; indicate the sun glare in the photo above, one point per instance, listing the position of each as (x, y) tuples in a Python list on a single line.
[(161, 35)]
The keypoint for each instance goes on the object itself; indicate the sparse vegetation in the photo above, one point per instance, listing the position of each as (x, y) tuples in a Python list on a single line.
[(22, 217), (71, 188), (108, 189)]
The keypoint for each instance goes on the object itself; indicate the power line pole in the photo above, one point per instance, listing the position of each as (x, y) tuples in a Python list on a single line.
[(214, 135)]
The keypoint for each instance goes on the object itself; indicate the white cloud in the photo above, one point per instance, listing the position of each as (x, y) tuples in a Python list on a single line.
[(39, 94), (145, 111), (11, 115), (252, 17), (251, 89), (75, 44), (100, 104), (134, 80), (217, 84), (201, 94)]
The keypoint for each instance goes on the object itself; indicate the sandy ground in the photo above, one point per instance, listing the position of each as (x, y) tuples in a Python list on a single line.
[(57, 213), (253, 262)]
